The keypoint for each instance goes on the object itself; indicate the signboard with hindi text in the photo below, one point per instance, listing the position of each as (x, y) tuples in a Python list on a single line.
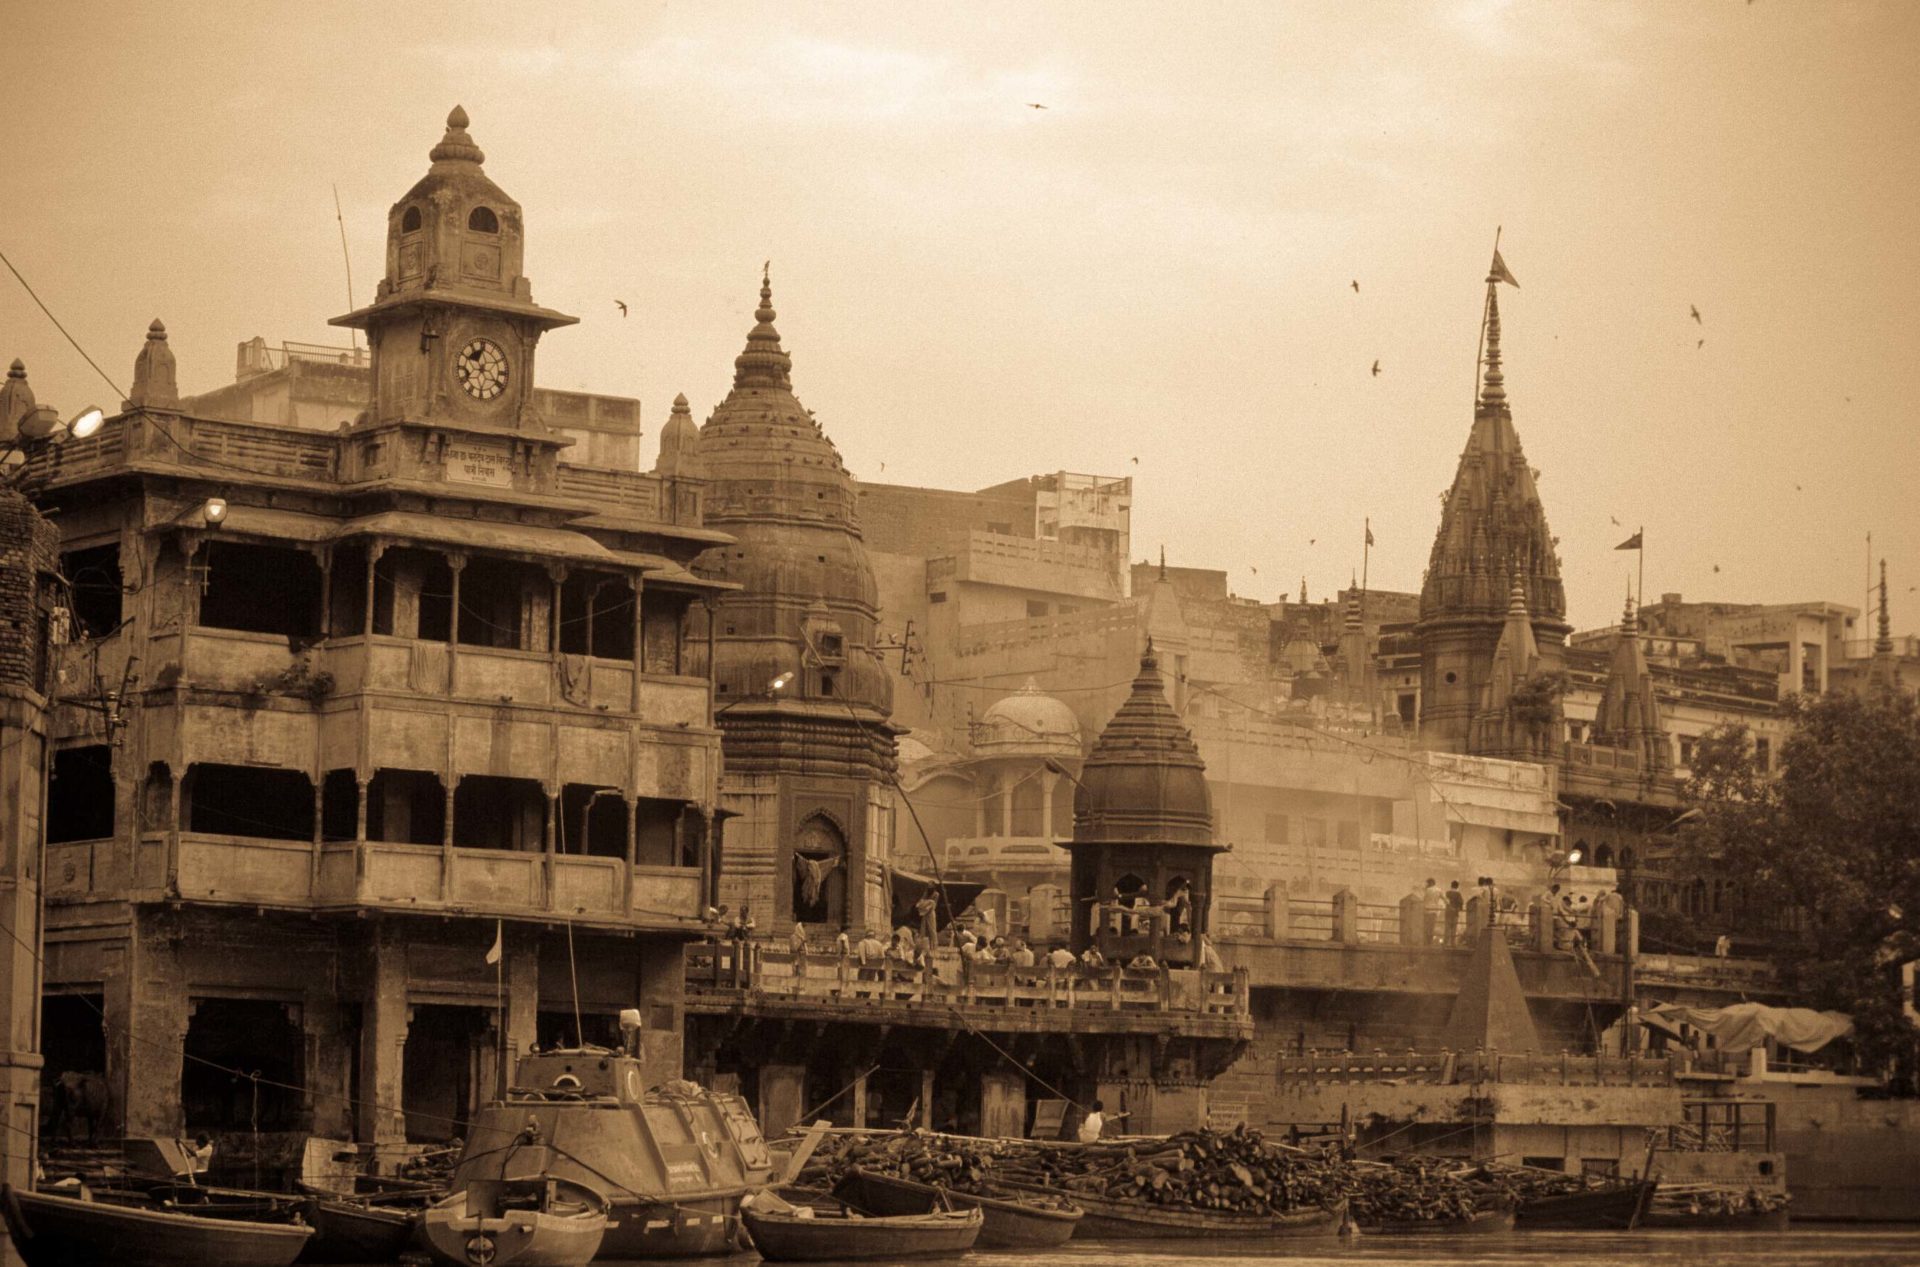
[(473, 462)]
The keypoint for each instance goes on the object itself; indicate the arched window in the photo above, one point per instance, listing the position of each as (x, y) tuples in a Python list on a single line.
[(819, 873), (410, 220), (1603, 856), (482, 220)]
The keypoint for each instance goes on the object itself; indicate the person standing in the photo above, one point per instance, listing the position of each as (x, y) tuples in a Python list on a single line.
[(1455, 905), (1433, 909), (1093, 1124), (926, 911)]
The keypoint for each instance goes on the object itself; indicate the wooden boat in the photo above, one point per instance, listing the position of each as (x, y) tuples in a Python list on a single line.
[(1717, 1220), (1106, 1220), (215, 1203), (1479, 1223), (533, 1222), (346, 1231), (818, 1231), (75, 1231), (1618, 1206), (1023, 1223)]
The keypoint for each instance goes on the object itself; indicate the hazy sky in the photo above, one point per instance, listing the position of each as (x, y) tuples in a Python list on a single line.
[(1156, 266)]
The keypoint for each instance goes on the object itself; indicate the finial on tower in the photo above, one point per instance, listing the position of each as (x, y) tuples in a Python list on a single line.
[(456, 146), (1629, 619), (1163, 561), (1517, 595)]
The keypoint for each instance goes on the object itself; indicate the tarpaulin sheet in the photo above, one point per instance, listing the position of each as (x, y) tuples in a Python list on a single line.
[(1744, 1026)]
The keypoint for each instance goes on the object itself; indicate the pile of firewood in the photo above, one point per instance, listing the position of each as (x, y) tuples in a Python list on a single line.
[(1411, 1190)]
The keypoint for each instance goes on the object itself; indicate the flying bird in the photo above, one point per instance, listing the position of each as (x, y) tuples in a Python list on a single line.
[(1356, 287), (1615, 522), (1696, 315), (1376, 369), (1702, 343), (1035, 105), (1312, 540), (1716, 567), (1798, 489), (621, 306), (1136, 461)]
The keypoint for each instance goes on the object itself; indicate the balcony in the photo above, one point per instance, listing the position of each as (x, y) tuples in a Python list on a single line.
[(219, 870), (754, 978)]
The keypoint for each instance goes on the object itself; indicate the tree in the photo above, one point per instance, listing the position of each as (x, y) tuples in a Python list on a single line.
[(1834, 842)]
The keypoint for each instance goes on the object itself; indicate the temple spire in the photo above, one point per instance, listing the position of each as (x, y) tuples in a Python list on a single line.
[(1883, 633), (1493, 383), (764, 363)]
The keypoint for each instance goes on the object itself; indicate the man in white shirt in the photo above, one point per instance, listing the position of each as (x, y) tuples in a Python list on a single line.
[(1095, 1122), (1061, 958)]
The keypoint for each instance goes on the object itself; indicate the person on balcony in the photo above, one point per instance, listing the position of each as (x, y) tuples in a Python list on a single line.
[(926, 912), (1209, 957), (1455, 905), (1433, 912), (1060, 959)]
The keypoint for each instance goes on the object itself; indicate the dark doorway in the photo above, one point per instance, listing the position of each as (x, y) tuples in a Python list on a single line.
[(490, 812), (80, 795), (245, 1062), (73, 1039), (448, 1050), (406, 807)]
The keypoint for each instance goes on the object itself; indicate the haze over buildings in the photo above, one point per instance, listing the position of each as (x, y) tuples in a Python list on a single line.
[(1156, 267)]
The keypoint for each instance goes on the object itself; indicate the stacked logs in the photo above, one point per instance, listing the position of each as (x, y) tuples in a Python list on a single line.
[(1410, 1190)]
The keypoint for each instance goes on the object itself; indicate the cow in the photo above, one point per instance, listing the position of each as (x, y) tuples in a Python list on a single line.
[(78, 1095)]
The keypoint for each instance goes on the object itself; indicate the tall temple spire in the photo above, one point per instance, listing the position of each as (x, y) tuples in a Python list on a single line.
[(1493, 382)]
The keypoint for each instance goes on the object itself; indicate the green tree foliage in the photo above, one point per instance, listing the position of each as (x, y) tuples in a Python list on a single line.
[(1833, 844)]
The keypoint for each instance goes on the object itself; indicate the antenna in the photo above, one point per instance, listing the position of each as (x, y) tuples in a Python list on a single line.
[(353, 336)]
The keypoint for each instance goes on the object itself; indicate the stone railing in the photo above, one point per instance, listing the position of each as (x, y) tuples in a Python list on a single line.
[(1444, 1067), (756, 968)]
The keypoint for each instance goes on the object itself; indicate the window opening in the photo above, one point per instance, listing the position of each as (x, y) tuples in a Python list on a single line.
[(80, 799), (244, 800), (482, 220), (261, 589), (94, 575)]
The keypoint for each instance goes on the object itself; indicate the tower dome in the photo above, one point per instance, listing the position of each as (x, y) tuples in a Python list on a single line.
[(1144, 780), (1028, 722), (679, 443)]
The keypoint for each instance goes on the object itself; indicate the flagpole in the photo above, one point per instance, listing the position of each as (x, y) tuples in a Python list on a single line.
[(1486, 306), (1641, 601)]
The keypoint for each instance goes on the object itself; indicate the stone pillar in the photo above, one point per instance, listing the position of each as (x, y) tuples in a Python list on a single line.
[(860, 1102), (640, 640), (523, 994), (782, 1098), (1005, 785), (1540, 914), (384, 1016), (1606, 923), (1411, 914), (329, 1075), (1040, 922), (1632, 934), (662, 990), (146, 1023), (1047, 780), (1003, 1105), (1346, 917), (1278, 916), (926, 1099)]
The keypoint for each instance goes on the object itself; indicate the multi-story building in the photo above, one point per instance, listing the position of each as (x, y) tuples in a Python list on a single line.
[(380, 749)]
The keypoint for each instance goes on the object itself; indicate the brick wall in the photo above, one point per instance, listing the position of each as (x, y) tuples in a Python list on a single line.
[(29, 546)]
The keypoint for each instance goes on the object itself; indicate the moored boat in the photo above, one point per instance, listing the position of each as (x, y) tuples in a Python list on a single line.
[(1718, 1209), (1479, 1223), (76, 1231), (784, 1232), (538, 1221), (347, 1231), (1108, 1220), (673, 1162), (1024, 1222), (1617, 1206)]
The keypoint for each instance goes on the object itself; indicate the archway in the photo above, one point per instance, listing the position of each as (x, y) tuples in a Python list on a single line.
[(819, 873)]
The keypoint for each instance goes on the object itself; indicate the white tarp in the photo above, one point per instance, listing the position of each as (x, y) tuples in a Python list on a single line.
[(1744, 1026)]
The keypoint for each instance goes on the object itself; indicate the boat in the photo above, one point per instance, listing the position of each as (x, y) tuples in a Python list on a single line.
[(1010, 1223), (1105, 1220), (1617, 1206), (539, 1221), (348, 1231), (1723, 1210), (1479, 1223), (673, 1162), (51, 1230), (828, 1231)]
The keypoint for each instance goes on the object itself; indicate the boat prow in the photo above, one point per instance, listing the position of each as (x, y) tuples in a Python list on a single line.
[(535, 1222), (71, 1231), (825, 1231)]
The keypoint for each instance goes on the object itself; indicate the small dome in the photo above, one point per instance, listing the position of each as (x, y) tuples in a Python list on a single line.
[(1144, 780), (1029, 721)]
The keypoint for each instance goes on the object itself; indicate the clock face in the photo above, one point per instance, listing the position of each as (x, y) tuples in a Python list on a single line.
[(482, 369)]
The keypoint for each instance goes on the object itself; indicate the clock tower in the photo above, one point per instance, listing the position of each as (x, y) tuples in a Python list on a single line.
[(453, 328)]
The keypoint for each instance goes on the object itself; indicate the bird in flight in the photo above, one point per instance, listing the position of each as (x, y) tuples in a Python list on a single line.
[(621, 306), (1356, 286), (1136, 461), (1697, 346), (1716, 567), (1312, 540), (1035, 105), (1376, 369), (1696, 315)]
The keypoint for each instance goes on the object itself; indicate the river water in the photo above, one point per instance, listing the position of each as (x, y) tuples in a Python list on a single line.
[(1855, 1247)]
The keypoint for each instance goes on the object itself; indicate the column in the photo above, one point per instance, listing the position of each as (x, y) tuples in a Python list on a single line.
[(329, 1083), (146, 1018), (456, 563), (1047, 781), (1003, 1105), (547, 862), (633, 845), (782, 1098), (523, 994), (1005, 784), (640, 639), (926, 1099), (662, 995), (384, 1017), (860, 1102)]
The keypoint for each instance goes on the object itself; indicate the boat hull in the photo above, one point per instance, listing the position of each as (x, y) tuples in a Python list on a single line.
[(515, 1238), (1739, 1221), (1008, 1224), (55, 1231), (347, 1232), (1105, 1220), (786, 1238), (1483, 1223), (1619, 1208), (678, 1228)]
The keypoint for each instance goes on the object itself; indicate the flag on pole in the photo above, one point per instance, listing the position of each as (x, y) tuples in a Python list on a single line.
[(499, 934), (1633, 542), (1500, 272), (1369, 532)]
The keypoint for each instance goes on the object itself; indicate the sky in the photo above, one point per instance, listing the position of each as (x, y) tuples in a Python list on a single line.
[(1150, 277)]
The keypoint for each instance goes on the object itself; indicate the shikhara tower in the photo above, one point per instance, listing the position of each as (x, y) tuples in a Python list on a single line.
[(1493, 555)]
